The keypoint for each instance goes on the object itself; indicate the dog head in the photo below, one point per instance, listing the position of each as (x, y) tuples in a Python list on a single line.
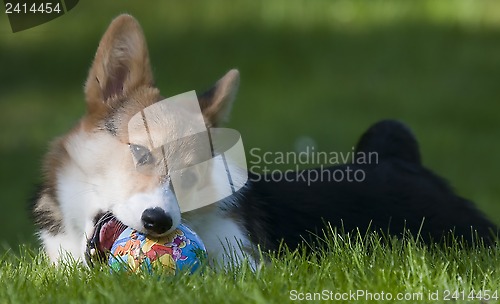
[(120, 87)]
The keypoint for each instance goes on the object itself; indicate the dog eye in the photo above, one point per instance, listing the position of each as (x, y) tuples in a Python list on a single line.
[(141, 154)]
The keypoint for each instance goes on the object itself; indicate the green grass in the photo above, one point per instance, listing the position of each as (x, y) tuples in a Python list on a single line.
[(319, 69), (323, 70), (369, 264)]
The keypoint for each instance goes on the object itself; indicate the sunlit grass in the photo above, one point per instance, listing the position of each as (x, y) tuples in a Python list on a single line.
[(348, 265), (323, 70)]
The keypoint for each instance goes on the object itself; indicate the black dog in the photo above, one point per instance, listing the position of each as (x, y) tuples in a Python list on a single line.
[(397, 193), (98, 172)]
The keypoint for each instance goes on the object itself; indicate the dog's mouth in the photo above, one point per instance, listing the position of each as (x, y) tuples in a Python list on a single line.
[(107, 229)]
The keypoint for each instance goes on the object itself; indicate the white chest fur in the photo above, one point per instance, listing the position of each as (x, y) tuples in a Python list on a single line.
[(225, 240)]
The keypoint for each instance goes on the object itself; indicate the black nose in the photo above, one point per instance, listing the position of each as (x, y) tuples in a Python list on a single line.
[(156, 220)]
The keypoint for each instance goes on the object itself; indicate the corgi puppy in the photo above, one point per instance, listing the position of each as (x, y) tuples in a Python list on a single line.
[(92, 182)]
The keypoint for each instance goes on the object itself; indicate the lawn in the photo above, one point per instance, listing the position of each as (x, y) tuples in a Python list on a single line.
[(366, 270), (318, 72)]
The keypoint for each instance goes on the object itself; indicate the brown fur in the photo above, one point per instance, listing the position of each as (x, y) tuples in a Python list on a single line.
[(119, 85)]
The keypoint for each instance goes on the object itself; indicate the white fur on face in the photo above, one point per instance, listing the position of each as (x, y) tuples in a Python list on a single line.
[(130, 212), (82, 188), (100, 177)]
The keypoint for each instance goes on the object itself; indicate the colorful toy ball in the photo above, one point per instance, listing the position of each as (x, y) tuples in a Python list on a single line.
[(181, 250)]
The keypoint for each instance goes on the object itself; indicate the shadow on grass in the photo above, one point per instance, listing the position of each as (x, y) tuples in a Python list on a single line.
[(321, 83)]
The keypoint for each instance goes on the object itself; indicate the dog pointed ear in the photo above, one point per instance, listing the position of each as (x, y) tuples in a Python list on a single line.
[(121, 63), (216, 103)]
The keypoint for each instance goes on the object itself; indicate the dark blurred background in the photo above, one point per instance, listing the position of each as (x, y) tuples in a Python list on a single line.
[(317, 72)]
